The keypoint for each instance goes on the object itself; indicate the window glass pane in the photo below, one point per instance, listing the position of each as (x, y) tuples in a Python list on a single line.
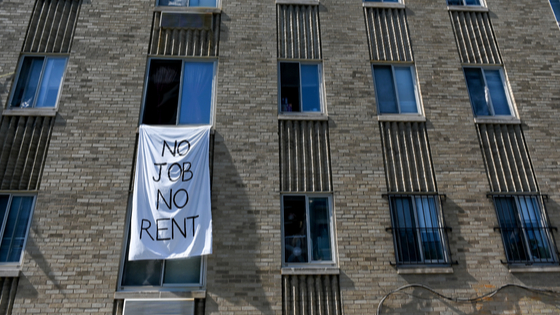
[(537, 236), (289, 86), (3, 207), (310, 97), (477, 91), (196, 98), (180, 271), (162, 92), (202, 3), (430, 234), (405, 234), (497, 92), (295, 229), (174, 3), (472, 2), (405, 89), (319, 225), (384, 88), (28, 81), (556, 8), (454, 2), (142, 272), (50, 84), (512, 234), (16, 229)]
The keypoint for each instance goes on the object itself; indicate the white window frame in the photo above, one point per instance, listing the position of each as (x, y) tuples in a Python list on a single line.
[(442, 231), (15, 266), (183, 60), (322, 98), (34, 109), (414, 75), (507, 92), (311, 263), (163, 287)]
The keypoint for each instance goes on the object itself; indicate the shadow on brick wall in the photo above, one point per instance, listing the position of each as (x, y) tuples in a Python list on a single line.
[(233, 274)]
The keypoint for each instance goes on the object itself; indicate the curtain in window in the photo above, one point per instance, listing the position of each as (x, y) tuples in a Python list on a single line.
[(196, 98), (385, 90), (310, 97), (428, 225), (406, 237), (477, 91), (50, 84), (497, 92), (405, 89), (535, 230)]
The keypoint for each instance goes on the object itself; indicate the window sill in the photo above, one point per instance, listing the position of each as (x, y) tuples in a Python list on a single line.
[(400, 117), (533, 269), (310, 271), (467, 8), (383, 5), (197, 294), (29, 112), (9, 272), (306, 2), (303, 116), (187, 9), (424, 270), (497, 120)]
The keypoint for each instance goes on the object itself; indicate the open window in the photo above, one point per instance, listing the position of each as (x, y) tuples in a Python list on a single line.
[(307, 230), (301, 87), (488, 92), (179, 92), (38, 82)]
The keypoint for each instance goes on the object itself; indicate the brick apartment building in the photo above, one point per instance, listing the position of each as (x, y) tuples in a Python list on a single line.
[(362, 154)]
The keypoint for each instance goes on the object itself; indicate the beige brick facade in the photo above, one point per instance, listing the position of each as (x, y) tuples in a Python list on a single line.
[(74, 249)]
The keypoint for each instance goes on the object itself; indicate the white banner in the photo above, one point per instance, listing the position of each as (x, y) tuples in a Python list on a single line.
[(171, 215)]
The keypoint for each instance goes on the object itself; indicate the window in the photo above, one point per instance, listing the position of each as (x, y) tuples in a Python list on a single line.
[(38, 82), (300, 87), (418, 231), (179, 92), (307, 229), (188, 3), (464, 2), (15, 213), (381, 0), (163, 273), (488, 92), (395, 88), (555, 4), (525, 231)]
